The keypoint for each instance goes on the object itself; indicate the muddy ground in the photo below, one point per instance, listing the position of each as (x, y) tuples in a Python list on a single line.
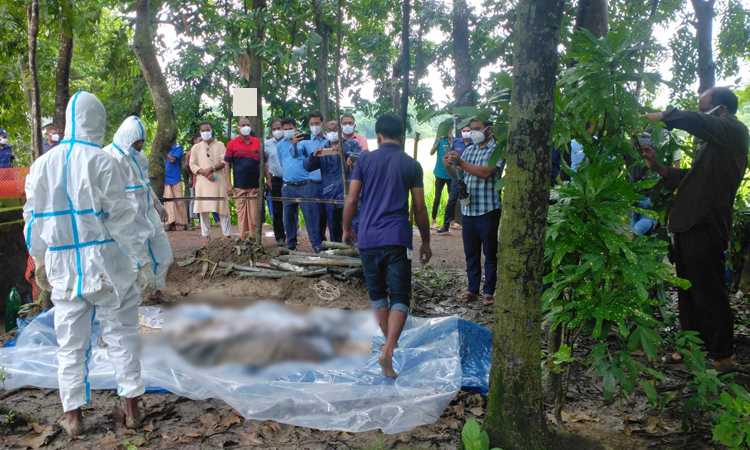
[(176, 422)]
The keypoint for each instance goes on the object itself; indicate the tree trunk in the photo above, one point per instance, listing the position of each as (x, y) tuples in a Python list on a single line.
[(35, 110), (321, 69), (592, 15), (62, 76), (138, 97), (256, 73), (464, 87), (704, 12), (166, 130), (515, 416), (406, 66)]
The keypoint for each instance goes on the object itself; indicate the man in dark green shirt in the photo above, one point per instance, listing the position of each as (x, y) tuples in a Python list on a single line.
[(701, 214)]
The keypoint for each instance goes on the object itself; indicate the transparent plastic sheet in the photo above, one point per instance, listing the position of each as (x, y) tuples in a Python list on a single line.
[(343, 393)]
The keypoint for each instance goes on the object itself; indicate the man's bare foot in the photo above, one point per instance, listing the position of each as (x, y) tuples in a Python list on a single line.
[(205, 241), (133, 414), (386, 365), (72, 423)]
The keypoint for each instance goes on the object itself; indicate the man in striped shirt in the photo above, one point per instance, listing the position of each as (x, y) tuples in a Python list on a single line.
[(481, 217)]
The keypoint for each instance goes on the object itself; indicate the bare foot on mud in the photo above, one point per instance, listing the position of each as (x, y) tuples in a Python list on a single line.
[(72, 423)]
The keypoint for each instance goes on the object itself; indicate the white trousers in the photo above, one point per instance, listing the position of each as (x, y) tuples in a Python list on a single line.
[(226, 224), (118, 318)]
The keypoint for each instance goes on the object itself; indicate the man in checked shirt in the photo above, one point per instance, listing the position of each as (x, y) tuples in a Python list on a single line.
[(481, 217)]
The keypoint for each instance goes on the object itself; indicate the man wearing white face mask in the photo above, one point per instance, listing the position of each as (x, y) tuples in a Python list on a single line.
[(333, 180), (6, 151), (347, 129), (481, 217), (52, 138), (243, 155), (277, 180), (207, 162)]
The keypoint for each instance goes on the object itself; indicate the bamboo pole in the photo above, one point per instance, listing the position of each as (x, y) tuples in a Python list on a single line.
[(279, 199), (261, 194), (335, 245), (416, 145), (342, 152)]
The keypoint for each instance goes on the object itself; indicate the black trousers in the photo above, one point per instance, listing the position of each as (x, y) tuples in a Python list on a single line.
[(699, 257), (278, 209), (439, 184)]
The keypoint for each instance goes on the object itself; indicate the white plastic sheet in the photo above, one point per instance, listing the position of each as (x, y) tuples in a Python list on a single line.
[(344, 393)]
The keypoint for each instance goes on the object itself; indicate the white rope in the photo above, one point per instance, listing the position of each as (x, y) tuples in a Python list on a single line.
[(326, 291)]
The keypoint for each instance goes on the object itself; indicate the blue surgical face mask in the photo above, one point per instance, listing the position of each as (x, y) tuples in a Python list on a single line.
[(133, 151)]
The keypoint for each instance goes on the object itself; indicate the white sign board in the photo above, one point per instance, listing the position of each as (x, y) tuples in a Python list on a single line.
[(245, 102)]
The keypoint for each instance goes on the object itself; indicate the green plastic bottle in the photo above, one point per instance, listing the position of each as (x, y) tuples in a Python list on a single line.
[(11, 310)]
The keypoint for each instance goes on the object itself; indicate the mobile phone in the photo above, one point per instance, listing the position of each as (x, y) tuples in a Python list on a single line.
[(329, 152), (446, 149), (645, 141), (354, 158), (305, 136)]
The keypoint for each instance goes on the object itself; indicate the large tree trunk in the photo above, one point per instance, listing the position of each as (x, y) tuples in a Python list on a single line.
[(321, 68), (406, 62), (464, 87), (515, 416), (256, 73), (35, 110), (704, 12), (62, 75), (166, 130), (592, 15)]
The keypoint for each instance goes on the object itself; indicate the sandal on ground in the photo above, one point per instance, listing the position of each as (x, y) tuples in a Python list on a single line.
[(171, 227), (726, 367), (488, 299), (468, 296), (456, 226), (435, 226)]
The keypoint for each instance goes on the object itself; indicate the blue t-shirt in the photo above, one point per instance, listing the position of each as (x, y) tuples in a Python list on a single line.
[(459, 146), (173, 171), (6, 157), (440, 171), (387, 175)]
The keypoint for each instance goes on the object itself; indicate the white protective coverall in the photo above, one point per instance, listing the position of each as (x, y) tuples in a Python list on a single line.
[(138, 188), (79, 219)]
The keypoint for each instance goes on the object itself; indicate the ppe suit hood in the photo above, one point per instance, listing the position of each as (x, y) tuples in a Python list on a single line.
[(130, 131), (85, 118)]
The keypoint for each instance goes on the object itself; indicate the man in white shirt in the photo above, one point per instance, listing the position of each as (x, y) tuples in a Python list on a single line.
[(277, 180)]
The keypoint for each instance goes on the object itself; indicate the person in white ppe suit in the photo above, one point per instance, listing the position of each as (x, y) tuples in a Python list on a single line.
[(126, 147), (79, 230)]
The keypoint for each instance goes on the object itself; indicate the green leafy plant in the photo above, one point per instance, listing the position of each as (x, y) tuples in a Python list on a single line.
[(602, 281), (474, 438)]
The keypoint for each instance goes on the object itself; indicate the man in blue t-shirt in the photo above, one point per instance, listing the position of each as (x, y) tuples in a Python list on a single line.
[(177, 211), (458, 146), (385, 178)]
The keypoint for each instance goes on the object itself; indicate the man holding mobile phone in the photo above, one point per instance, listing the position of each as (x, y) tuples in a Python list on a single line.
[(701, 215), (298, 183), (333, 179)]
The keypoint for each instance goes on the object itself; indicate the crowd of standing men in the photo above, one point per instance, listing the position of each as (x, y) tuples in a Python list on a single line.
[(296, 165)]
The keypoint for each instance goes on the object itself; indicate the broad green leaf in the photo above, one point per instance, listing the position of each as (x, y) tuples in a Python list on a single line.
[(470, 435), (653, 397), (610, 385)]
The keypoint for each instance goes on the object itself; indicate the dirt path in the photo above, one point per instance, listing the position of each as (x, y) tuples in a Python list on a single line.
[(175, 422)]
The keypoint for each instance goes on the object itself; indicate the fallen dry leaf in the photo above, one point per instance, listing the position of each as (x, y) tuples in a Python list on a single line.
[(149, 427), (109, 439), (194, 435), (169, 438), (345, 436), (42, 432), (477, 411), (272, 432), (209, 421), (653, 424), (459, 410), (250, 439), (229, 420)]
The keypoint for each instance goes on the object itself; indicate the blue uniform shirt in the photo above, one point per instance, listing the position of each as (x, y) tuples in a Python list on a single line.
[(173, 171), (330, 170), (459, 146), (291, 161), (307, 148), (6, 157), (387, 176)]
